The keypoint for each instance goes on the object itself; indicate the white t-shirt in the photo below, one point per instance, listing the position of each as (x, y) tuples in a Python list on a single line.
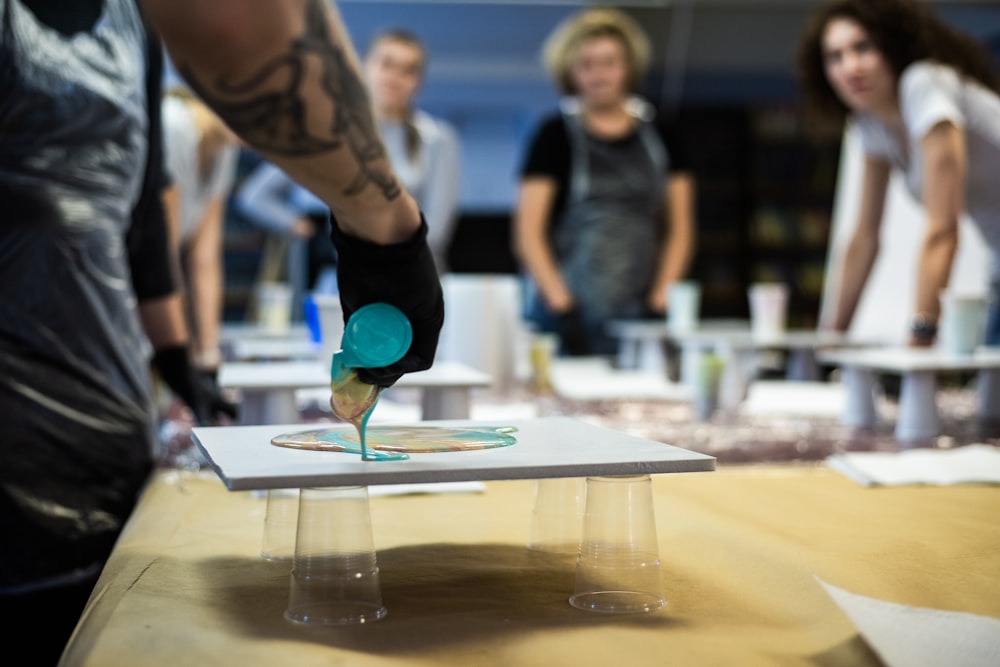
[(433, 178), (181, 139), (928, 94)]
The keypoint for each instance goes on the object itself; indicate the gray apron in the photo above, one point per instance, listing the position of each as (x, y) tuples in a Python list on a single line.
[(75, 405), (608, 239)]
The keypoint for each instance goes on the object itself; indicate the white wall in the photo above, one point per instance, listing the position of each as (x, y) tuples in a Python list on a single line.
[(886, 306)]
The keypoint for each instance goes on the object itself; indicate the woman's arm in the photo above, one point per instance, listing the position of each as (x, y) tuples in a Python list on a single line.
[(205, 272), (864, 244), (265, 199), (679, 240), (944, 153), (531, 242)]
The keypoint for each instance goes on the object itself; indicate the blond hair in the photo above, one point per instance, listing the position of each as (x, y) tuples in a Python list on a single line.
[(561, 47)]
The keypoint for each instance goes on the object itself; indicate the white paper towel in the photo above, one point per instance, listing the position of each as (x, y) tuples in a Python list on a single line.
[(483, 327), (970, 464), (906, 636)]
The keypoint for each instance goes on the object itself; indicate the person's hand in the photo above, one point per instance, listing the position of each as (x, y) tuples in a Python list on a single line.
[(198, 389), (572, 332), (401, 274)]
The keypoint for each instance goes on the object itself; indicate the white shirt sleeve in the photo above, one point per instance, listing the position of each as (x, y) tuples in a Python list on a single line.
[(441, 189), (929, 94)]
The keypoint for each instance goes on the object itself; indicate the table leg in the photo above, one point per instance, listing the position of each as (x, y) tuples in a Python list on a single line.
[(918, 414), (859, 408), (652, 356), (628, 353), (446, 403), (273, 406), (802, 365), (989, 394)]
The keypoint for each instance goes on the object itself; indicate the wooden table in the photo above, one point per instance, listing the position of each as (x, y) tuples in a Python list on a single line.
[(269, 389), (741, 550), (918, 417)]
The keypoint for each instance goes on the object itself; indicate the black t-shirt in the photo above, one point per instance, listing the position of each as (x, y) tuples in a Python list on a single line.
[(549, 153)]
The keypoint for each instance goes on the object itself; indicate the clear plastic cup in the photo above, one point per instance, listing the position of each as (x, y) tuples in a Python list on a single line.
[(280, 524), (618, 569), (963, 318), (768, 311), (274, 307), (335, 576), (557, 518), (683, 306)]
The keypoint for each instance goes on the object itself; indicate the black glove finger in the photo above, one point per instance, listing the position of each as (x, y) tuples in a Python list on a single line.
[(212, 397), (403, 275)]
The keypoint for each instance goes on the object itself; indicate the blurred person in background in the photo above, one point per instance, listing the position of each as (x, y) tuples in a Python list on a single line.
[(201, 155), (604, 221), (424, 150), (924, 98)]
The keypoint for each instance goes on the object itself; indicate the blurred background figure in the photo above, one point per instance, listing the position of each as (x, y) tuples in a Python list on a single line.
[(605, 215), (201, 155), (299, 223), (924, 98), (424, 150)]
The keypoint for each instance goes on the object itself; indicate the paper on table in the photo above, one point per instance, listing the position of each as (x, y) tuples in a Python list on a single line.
[(436, 487), (794, 398), (970, 464), (906, 636)]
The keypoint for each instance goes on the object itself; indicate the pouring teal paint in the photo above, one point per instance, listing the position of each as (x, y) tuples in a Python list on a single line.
[(375, 335)]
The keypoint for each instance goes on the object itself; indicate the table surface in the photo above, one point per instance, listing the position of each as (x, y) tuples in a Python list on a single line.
[(233, 331), (741, 550), (903, 359), (244, 457), (306, 374), (732, 332), (275, 348)]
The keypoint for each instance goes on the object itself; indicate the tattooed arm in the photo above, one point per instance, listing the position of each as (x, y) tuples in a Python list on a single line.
[(284, 76)]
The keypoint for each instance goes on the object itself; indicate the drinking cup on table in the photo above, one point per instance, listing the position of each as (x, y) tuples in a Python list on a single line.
[(683, 306), (274, 307), (331, 324), (963, 317), (335, 576), (618, 567), (768, 310)]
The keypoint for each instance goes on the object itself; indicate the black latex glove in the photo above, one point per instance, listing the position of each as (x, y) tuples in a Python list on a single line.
[(572, 332), (401, 274), (199, 389)]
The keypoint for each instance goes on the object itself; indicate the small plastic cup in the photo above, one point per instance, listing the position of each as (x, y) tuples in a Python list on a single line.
[(963, 318), (557, 518), (280, 524), (330, 316), (683, 306), (274, 307), (768, 311), (335, 576), (618, 569)]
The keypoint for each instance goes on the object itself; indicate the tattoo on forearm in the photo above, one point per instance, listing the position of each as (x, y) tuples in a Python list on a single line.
[(269, 108)]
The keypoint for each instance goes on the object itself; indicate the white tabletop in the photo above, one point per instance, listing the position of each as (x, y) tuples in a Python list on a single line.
[(276, 375), (904, 359), (245, 459), (274, 348), (735, 333), (233, 331)]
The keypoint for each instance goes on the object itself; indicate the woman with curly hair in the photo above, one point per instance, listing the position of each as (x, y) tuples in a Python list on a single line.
[(605, 218), (924, 98)]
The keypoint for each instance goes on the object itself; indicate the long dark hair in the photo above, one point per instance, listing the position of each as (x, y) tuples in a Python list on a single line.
[(904, 31)]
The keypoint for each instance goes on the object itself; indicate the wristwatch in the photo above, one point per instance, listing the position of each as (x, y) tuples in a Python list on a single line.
[(924, 329)]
